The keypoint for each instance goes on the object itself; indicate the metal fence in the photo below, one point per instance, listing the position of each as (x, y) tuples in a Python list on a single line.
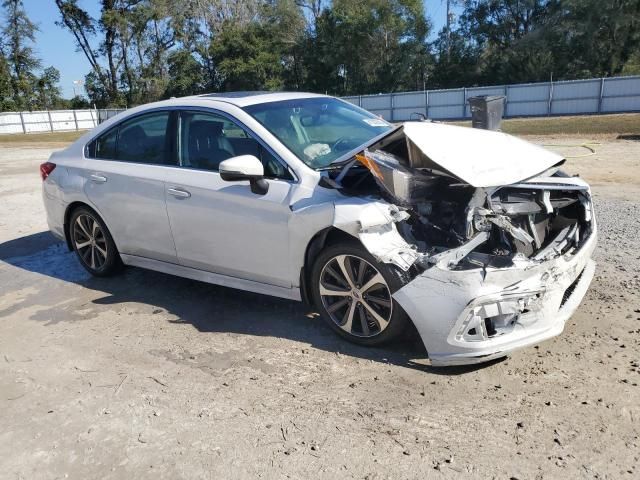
[(53, 120), (575, 97)]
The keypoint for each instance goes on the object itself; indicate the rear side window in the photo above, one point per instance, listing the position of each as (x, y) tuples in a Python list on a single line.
[(143, 139)]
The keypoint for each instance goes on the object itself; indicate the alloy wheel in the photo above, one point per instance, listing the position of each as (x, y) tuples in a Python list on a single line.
[(90, 241), (355, 295)]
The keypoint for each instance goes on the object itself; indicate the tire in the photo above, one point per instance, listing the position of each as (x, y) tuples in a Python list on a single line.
[(356, 314), (93, 243)]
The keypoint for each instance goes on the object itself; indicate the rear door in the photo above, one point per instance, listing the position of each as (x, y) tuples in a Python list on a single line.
[(220, 226), (128, 165)]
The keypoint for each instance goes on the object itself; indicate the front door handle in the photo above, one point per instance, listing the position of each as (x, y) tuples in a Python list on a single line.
[(178, 192), (97, 178)]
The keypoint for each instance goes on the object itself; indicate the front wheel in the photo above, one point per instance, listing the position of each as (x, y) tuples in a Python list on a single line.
[(353, 292)]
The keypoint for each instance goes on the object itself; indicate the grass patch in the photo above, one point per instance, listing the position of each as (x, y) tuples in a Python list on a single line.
[(578, 125), (35, 138)]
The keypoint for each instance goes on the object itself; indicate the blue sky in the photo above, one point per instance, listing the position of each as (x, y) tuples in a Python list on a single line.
[(56, 46)]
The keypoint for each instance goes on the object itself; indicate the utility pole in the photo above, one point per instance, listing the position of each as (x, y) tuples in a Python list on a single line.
[(448, 30), (450, 18)]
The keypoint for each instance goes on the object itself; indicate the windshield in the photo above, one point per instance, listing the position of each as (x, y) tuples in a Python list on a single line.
[(318, 130)]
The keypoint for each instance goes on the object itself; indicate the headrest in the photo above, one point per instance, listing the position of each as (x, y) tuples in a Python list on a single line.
[(132, 134), (205, 128)]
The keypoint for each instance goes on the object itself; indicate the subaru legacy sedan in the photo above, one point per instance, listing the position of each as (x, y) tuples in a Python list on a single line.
[(476, 238)]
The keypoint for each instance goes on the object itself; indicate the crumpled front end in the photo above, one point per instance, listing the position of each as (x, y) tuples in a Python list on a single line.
[(471, 316), (516, 279), (491, 268)]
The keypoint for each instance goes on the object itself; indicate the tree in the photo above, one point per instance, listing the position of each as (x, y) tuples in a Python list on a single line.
[(19, 33), (48, 90), (6, 91), (261, 54), (186, 75), (509, 38), (596, 38), (83, 28), (369, 46)]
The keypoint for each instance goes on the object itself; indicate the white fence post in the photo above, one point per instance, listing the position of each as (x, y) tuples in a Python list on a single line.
[(50, 122), (550, 103), (24, 130), (75, 119), (506, 100), (601, 94), (426, 104), (464, 102)]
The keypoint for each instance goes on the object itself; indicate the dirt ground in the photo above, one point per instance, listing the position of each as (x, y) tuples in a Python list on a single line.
[(151, 376)]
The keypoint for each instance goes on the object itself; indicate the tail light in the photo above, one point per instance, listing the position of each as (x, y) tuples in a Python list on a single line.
[(46, 169)]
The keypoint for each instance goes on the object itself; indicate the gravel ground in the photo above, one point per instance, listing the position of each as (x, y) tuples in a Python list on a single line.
[(152, 376)]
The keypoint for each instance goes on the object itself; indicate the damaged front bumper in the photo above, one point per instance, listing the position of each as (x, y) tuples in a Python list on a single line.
[(472, 316)]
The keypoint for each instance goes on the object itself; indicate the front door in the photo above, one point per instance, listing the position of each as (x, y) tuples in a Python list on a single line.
[(220, 226)]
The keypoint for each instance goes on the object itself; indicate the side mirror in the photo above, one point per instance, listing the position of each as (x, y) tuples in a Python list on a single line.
[(245, 167)]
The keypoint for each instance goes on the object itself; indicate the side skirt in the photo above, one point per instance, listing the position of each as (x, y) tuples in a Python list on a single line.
[(209, 277)]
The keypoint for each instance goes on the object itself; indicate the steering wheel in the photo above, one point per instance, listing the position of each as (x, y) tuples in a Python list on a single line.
[(340, 140)]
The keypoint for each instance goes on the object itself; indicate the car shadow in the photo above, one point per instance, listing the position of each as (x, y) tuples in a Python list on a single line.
[(211, 308)]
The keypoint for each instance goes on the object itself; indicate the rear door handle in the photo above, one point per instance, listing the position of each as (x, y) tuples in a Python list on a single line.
[(98, 178), (178, 192)]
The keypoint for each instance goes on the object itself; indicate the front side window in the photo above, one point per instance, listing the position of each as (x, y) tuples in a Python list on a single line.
[(206, 139), (318, 130), (143, 139)]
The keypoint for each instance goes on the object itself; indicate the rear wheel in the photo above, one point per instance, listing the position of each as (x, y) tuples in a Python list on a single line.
[(93, 243), (353, 292)]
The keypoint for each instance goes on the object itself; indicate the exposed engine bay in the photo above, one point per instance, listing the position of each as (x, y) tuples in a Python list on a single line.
[(435, 217)]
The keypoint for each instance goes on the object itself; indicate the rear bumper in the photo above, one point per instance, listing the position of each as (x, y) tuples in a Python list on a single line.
[(530, 304), (54, 208)]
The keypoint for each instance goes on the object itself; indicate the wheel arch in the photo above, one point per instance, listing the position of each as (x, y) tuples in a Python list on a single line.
[(324, 238), (72, 207)]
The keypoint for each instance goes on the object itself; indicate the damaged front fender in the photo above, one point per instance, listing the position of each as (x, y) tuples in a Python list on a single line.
[(374, 223)]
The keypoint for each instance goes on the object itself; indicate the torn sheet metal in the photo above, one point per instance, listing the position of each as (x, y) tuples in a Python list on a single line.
[(385, 243), (374, 224)]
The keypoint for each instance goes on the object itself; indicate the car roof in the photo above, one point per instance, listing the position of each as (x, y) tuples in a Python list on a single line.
[(238, 99), (243, 99)]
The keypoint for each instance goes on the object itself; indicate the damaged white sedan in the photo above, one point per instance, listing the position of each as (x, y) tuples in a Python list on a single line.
[(475, 237)]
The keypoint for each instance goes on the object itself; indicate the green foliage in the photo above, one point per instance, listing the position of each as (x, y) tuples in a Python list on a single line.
[(368, 47), (19, 34), (48, 91), (144, 50), (186, 74), (6, 90)]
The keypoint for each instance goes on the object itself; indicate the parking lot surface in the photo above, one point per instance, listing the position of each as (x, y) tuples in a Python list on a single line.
[(146, 375)]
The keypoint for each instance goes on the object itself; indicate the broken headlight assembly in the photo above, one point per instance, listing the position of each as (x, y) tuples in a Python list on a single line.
[(491, 318), (405, 186)]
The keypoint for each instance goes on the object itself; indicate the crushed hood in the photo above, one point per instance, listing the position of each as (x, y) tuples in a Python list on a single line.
[(480, 158)]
